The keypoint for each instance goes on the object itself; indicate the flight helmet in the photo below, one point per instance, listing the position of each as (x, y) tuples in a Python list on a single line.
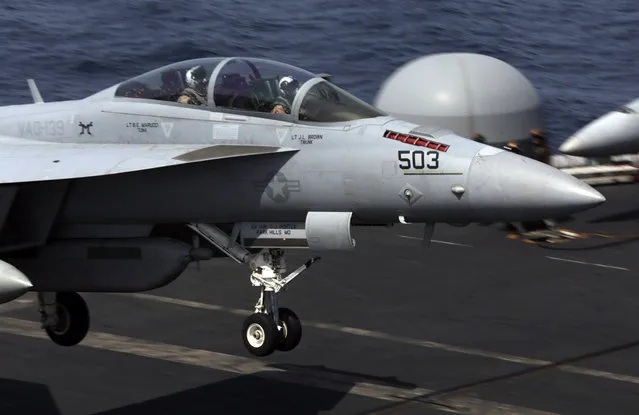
[(196, 79), (288, 86)]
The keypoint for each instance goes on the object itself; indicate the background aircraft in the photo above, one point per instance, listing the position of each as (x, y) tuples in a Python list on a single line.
[(105, 194), (614, 133)]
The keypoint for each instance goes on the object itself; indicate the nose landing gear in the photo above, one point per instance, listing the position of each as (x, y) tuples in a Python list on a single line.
[(270, 327)]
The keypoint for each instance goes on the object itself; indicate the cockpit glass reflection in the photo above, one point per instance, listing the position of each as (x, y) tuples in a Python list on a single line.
[(325, 102), (248, 84), (185, 82), (258, 85)]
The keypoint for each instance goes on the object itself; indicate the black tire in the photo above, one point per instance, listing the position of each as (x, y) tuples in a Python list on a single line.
[(73, 320), (260, 334), (291, 333)]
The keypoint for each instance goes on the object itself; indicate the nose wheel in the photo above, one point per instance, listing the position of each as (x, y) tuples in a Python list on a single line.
[(261, 336), (291, 330)]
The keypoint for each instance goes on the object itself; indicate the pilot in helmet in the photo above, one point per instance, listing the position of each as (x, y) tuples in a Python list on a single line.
[(288, 87), (196, 81)]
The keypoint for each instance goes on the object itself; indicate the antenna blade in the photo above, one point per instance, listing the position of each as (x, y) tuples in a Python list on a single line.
[(35, 93)]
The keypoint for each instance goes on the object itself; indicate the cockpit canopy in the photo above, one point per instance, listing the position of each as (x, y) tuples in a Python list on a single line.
[(255, 85)]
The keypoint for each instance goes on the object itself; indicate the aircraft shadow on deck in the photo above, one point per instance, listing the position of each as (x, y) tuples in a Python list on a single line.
[(250, 394), (18, 397)]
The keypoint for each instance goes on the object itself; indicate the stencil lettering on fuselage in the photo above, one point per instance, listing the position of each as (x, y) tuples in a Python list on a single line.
[(49, 128), (142, 127), (306, 138)]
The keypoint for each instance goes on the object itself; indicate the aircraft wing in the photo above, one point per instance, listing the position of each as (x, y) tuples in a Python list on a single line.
[(24, 160)]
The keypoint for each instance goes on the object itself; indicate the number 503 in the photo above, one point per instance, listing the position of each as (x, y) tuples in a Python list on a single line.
[(417, 159)]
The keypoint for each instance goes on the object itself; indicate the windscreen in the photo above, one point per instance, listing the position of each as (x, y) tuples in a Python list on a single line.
[(325, 102)]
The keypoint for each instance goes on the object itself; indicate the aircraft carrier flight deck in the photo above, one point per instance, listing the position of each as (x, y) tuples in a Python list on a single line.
[(482, 322)]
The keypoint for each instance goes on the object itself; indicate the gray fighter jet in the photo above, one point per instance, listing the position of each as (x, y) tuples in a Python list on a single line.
[(614, 133), (237, 157)]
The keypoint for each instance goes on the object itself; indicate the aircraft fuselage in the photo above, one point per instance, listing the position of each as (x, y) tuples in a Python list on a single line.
[(352, 167)]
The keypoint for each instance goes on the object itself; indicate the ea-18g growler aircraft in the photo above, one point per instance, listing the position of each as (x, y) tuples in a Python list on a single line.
[(250, 156)]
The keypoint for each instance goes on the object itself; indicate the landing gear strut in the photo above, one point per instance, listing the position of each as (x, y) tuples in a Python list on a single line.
[(270, 327), (65, 317)]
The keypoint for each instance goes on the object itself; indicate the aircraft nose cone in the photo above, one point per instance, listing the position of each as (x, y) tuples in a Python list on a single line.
[(573, 145), (613, 133), (510, 187)]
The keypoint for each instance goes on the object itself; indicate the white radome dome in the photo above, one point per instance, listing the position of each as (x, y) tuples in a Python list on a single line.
[(465, 92)]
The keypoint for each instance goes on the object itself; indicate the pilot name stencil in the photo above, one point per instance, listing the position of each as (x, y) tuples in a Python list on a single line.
[(306, 138), (41, 128), (142, 127), (278, 188)]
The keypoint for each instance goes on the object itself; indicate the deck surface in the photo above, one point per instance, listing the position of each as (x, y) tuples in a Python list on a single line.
[(479, 323)]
